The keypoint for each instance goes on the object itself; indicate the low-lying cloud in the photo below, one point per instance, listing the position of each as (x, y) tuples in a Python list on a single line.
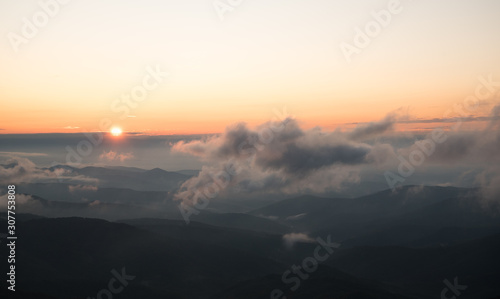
[(280, 157), (73, 188), (115, 156), (292, 238), (21, 170), (25, 201), (283, 157)]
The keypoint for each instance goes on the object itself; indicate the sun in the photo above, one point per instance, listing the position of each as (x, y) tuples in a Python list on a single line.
[(116, 131)]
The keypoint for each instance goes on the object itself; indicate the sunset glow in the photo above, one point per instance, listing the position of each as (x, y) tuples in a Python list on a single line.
[(116, 131), (201, 74), (231, 149)]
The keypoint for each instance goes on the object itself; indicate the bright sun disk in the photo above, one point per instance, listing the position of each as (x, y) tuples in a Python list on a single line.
[(116, 131)]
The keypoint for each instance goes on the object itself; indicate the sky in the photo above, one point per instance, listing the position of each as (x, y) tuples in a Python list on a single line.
[(215, 68)]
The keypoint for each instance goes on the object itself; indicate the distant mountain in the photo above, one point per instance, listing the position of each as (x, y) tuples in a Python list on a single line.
[(21, 217), (189, 172), (127, 168), (96, 209), (454, 211), (414, 235), (78, 194), (241, 221), (322, 212), (348, 216), (408, 217), (474, 263), (448, 222), (113, 204), (261, 243), (131, 178)]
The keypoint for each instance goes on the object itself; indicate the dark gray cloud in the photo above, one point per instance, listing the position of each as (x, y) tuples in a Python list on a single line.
[(477, 150), (367, 130), (290, 149), (279, 158), (294, 160), (302, 159), (456, 147)]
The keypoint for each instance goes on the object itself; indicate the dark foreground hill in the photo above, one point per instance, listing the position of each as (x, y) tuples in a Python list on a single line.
[(76, 258), (475, 264)]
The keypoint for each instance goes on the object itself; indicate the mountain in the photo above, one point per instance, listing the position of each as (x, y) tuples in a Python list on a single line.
[(241, 221), (78, 254), (474, 263), (113, 204), (314, 213), (76, 258), (407, 217), (450, 221), (258, 242), (189, 172), (130, 178), (81, 193), (323, 283), (104, 210)]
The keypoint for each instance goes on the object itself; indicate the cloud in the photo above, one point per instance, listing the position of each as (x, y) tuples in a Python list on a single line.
[(291, 150), (490, 183), (71, 128), (456, 147), (495, 121), (28, 203), (283, 157), (115, 156), (73, 188), (292, 238), (296, 217), (480, 146), (374, 128), (450, 120), (270, 217), (277, 156), (22, 154), (21, 170), (438, 120), (95, 203), (414, 190), (476, 150)]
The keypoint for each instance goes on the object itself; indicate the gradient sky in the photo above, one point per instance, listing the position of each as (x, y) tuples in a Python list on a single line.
[(265, 55)]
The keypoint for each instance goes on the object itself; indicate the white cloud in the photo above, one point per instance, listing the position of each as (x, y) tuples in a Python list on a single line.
[(115, 156)]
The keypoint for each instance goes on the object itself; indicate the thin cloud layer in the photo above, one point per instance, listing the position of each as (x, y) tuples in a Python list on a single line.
[(26, 201), (374, 128), (21, 170), (292, 238), (73, 188), (115, 156)]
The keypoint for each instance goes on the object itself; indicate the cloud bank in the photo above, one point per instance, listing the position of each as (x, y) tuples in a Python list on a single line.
[(21, 170), (281, 157), (115, 156)]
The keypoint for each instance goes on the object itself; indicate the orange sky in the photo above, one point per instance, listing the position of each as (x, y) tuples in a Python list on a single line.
[(262, 57)]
